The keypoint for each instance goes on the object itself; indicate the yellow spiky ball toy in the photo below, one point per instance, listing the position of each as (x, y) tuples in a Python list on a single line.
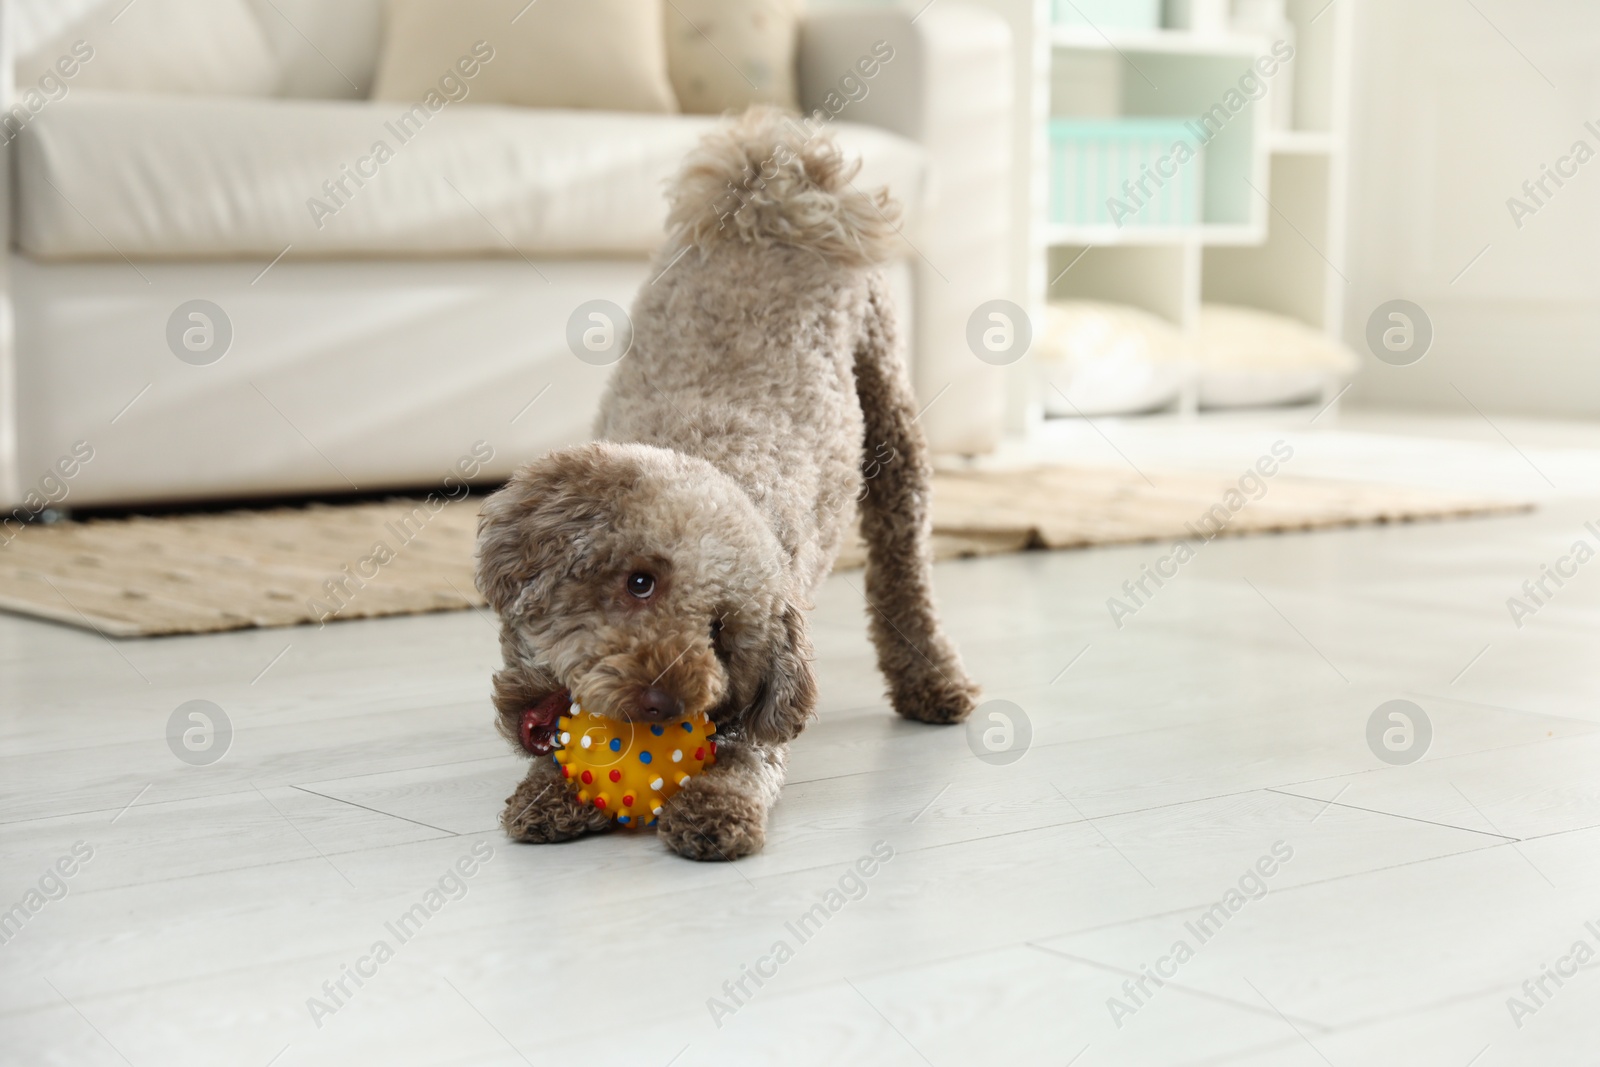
[(630, 769)]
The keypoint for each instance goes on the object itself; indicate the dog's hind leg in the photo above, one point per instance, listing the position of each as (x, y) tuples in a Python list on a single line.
[(925, 676)]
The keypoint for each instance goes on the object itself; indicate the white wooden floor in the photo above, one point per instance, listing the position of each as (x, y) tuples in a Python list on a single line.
[(1167, 760)]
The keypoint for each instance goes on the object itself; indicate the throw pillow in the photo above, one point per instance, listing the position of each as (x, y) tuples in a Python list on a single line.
[(608, 55), (725, 55)]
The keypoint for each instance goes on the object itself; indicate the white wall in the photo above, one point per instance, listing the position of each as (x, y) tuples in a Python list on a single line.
[(1449, 121)]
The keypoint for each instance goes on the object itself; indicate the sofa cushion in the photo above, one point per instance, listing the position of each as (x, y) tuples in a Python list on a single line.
[(159, 46), (605, 54), (725, 55), (109, 175)]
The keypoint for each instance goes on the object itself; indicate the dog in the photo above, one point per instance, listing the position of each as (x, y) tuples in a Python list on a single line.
[(666, 568)]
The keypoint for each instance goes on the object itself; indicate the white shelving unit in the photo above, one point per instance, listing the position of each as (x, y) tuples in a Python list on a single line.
[(1272, 232)]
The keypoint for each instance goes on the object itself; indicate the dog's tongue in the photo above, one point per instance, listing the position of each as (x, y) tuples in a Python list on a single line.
[(538, 728)]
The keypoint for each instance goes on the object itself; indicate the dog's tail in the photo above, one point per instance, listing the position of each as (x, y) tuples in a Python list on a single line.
[(770, 177)]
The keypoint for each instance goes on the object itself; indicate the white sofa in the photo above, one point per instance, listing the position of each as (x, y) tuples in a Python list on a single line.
[(433, 308)]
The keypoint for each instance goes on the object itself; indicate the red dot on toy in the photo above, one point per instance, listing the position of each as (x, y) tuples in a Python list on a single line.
[(627, 800), (566, 772), (699, 753), (600, 801), (587, 777), (615, 776)]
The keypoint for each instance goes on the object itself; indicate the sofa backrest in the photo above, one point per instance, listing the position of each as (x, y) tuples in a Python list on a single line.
[(324, 48), (348, 34), (33, 22)]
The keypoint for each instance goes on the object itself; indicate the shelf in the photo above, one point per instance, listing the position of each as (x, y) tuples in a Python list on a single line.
[(1302, 142), (1158, 42), (1063, 236), (1242, 251)]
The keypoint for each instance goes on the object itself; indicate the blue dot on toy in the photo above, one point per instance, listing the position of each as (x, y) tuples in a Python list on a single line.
[(616, 744), (686, 728), (644, 757), (657, 730)]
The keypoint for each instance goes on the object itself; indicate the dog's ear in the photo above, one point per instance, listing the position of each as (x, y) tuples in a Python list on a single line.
[(537, 527), (788, 692)]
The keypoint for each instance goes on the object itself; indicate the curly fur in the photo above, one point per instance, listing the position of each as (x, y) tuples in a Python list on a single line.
[(765, 365), (771, 180)]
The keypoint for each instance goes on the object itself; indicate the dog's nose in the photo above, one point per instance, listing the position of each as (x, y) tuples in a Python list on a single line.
[(660, 704)]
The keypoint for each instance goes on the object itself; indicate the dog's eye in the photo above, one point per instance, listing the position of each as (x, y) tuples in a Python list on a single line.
[(642, 584)]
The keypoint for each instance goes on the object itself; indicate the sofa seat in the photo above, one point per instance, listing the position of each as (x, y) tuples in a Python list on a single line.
[(108, 176)]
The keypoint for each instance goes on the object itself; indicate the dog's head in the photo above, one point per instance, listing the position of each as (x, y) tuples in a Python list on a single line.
[(644, 584)]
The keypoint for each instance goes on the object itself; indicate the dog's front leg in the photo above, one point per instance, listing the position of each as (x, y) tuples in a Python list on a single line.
[(543, 809), (722, 813)]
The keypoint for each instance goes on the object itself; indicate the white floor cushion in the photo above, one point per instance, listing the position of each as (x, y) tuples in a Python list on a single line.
[(104, 176), (1250, 358), (1099, 358)]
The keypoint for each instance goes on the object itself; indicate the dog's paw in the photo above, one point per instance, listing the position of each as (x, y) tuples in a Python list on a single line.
[(936, 699), (712, 824), (543, 810)]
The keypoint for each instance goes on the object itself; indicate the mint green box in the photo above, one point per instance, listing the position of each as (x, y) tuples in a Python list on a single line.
[(1109, 14), (1091, 159)]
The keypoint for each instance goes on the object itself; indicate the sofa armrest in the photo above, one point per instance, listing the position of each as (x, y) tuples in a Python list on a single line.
[(947, 86)]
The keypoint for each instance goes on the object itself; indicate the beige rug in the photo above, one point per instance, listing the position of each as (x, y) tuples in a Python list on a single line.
[(286, 566)]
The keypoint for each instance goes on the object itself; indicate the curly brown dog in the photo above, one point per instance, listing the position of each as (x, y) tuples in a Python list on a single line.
[(667, 566)]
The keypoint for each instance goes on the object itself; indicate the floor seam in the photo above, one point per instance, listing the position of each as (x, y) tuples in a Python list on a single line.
[(376, 811), (1503, 838)]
